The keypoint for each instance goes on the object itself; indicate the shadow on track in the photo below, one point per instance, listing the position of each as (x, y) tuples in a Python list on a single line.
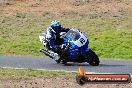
[(86, 64), (108, 65)]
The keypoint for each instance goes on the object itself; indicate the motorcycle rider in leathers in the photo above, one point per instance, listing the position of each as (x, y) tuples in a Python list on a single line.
[(53, 35)]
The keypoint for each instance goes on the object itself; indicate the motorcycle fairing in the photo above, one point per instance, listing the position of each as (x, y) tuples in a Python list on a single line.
[(76, 50)]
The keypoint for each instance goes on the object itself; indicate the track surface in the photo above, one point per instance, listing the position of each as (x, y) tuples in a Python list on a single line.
[(106, 66)]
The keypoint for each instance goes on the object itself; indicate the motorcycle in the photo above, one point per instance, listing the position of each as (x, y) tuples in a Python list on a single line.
[(75, 48)]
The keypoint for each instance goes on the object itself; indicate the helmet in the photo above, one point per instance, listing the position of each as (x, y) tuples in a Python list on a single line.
[(56, 26)]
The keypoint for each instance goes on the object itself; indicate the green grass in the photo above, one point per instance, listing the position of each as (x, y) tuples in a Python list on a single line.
[(108, 37), (27, 73)]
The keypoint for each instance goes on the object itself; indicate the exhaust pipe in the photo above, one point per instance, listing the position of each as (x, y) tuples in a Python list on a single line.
[(51, 54), (45, 52)]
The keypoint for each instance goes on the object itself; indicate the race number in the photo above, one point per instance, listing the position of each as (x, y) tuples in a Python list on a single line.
[(82, 40)]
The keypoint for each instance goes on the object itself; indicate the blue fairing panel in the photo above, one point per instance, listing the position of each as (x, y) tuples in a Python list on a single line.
[(75, 51), (84, 50)]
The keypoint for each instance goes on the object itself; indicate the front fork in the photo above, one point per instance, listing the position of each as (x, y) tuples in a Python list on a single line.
[(85, 54)]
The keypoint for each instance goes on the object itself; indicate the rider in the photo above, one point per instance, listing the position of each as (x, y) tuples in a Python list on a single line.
[(53, 34)]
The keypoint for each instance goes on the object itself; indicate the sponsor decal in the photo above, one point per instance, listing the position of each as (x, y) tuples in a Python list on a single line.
[(83, 78)]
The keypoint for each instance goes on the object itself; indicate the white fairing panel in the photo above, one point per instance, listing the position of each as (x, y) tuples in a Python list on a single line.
[(42, 38), (81, 41)]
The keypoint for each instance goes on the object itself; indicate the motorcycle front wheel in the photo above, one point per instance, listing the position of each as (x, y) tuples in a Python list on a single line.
[(93, 58)]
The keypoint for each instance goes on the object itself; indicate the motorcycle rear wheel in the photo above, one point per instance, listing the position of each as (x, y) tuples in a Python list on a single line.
[(58, 61)]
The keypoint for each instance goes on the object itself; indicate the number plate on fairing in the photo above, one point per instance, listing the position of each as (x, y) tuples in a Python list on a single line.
[(81, 41)]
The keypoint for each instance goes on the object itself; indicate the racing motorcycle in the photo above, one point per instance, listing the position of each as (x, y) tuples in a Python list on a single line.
[(75, 48)]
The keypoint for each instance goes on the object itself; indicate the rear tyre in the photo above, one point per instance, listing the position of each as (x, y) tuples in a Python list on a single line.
[(64, 59), (94, 59), (58, 61), (64, 62)]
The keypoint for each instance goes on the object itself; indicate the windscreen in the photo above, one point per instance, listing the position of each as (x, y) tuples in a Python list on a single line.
[(73, 35)]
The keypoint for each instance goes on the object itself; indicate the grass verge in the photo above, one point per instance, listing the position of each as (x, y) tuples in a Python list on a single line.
[(108, 37), (7, 73)]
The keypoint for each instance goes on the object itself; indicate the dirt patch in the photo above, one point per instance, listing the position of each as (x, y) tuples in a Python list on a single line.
[(92, 8), (54, 82)]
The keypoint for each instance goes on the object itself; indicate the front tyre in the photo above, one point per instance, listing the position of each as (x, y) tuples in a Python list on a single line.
[(93, 58)]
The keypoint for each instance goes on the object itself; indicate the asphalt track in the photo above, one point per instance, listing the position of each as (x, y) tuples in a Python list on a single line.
[(106, 66)]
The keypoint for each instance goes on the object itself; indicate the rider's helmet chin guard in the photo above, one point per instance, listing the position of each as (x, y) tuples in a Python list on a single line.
[(56, 26)]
